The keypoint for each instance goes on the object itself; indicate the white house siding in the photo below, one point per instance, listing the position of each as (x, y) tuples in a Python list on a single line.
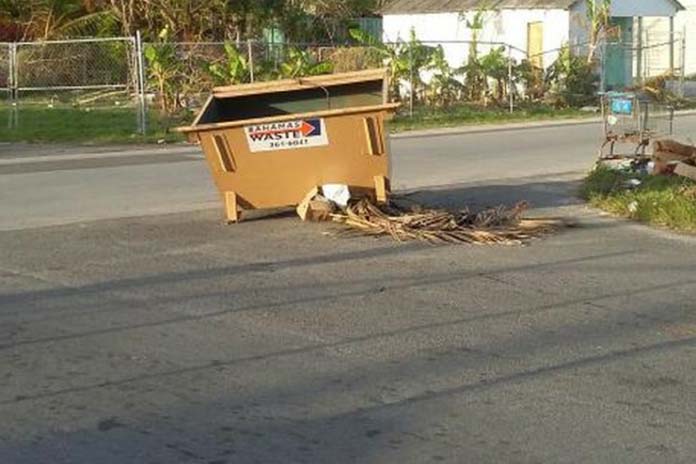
[(506, 26), (579, 29), (657, 30), (685, 23), (556, 30)]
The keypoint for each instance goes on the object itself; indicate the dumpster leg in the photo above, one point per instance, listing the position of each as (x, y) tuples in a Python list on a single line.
[(231, 207), (381, 189)]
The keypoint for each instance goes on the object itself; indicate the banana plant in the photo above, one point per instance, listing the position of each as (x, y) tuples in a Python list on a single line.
[(300, 63), (234, 69), (165, 71), (495, 65), (444, 88), (599, 17), (476, 80), (392, 56)]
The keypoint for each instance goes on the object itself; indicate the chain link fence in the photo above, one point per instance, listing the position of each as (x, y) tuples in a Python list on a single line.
[(83, 65), (68, 82), (644, 61), (434, 73)]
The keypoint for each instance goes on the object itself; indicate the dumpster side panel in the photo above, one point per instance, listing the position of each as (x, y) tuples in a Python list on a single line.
[(356, 153)]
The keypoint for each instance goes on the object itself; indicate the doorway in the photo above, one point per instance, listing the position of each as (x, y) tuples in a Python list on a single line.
[(535, 44), (619, 55)]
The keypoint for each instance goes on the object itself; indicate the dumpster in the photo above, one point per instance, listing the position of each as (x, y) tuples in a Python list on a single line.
[(268, 144)]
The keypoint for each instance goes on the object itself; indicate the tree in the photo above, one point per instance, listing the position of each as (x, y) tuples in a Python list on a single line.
[(48, 19), (188, 20)]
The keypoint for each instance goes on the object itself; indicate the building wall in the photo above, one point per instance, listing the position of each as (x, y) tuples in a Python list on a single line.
[(655, 59), (579, 29), (504, 27), (657, 30), (685, 24)]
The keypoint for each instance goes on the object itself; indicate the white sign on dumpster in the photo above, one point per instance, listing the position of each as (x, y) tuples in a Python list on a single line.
[(286, 135)]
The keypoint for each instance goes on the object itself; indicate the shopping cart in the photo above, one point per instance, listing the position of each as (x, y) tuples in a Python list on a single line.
[(631, 121)]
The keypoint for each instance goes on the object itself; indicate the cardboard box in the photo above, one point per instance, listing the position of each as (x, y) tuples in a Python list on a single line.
[(685, 170)]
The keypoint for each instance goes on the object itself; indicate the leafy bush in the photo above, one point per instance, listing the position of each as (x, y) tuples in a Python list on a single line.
[(531, 78), (571, 79)]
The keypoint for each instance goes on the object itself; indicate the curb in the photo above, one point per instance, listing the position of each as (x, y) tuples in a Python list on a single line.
[(462, 130), (513, 126), (156, 150)]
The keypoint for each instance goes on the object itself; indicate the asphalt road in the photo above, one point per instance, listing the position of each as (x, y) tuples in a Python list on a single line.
[(85, 186), (132, 336), (88, 183)]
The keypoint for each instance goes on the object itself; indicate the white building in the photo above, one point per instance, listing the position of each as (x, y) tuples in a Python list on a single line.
[(536, 29)]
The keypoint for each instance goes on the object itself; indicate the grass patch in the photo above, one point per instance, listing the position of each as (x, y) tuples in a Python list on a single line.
[(428, 118), (74, 125), (665, 201), (65, 124)]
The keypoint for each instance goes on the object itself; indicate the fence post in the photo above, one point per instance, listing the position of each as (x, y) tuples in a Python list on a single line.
[(141, 82), (602, 64), (682, 74), (672, 41), (410, 85), (640, 47), (250, 53), (14, 86), (511, 93)]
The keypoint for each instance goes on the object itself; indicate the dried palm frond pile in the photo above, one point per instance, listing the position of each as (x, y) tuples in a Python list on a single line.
[(498, 225)]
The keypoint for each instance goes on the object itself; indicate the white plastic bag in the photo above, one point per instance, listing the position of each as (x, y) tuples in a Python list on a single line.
[(337, 193)]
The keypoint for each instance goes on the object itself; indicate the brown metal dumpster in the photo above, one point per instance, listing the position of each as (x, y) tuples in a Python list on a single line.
[(268, 144)]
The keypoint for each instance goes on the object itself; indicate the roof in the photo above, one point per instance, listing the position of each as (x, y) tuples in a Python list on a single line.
[(452, 6), (678, 5), (446, 6)]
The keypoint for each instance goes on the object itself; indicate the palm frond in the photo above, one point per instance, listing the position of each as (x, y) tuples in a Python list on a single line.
[(493, 226)]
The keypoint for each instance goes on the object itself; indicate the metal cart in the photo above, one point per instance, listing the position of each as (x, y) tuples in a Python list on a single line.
[(629, 120)]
